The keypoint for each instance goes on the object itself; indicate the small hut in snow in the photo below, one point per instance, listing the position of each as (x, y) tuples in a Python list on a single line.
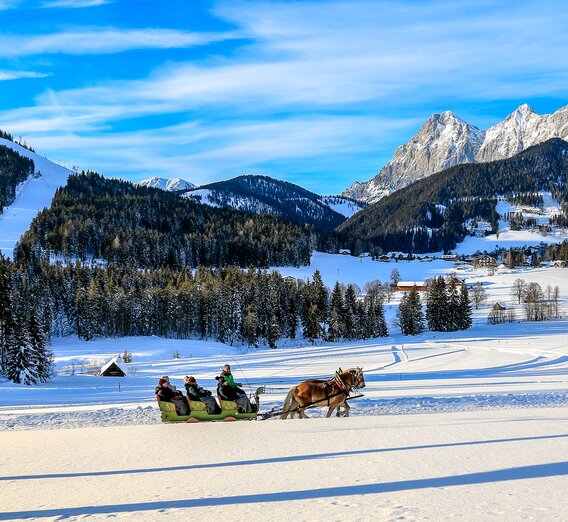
[(113, 368)]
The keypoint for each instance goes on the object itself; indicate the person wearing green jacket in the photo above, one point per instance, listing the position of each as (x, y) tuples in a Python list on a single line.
[(229, 390)]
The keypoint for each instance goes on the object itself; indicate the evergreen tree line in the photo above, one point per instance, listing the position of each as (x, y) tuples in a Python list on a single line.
[(20, 142), (228, 304), (25, 323), (118, 222), (13, 170), (448, 308)]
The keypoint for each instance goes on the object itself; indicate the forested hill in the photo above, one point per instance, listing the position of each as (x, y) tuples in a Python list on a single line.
[(431, 214), (263, 194), (116, 221), (14, 169)]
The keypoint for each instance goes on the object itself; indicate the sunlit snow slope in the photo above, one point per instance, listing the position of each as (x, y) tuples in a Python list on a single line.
[(32, 196)]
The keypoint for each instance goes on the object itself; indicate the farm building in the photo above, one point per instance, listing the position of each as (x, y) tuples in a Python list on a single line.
[(113, 368)]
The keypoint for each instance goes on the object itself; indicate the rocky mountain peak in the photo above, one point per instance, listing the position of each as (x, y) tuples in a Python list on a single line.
[(446, 140)]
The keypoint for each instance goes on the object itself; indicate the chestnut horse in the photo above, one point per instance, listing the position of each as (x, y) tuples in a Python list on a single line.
[(318, 394)]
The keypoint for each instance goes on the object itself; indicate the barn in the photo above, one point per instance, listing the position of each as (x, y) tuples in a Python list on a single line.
[(113, 368)]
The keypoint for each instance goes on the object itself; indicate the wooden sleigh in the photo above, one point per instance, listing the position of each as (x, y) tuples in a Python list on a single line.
[(198, 412)]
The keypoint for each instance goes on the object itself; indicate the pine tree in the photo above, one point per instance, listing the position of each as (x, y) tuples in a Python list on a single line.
[(312, 328), (350, 315), (437, 306), (337, 312), (465, 312), (409, 316), (453, 321), (24, 363), (38, 346), (6, 319), (250, 328), (273, 332)]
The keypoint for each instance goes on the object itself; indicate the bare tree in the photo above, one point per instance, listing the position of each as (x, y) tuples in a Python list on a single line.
[(478, 295), (375, 290), (395, 276), (555, 299), (518, 289), (533, 302)]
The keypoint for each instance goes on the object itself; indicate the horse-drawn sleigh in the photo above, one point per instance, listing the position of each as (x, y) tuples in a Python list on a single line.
[(332, 393)]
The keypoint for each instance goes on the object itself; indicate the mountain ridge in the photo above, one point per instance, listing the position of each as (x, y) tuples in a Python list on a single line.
[(445, 140), (434, 213)]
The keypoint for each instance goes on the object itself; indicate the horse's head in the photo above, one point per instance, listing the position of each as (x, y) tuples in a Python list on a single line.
[(357, 377)]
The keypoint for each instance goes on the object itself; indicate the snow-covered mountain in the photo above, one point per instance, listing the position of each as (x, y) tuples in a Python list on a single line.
[(259, 194), (171, 185), (446, 140), (520, 130), (443, 141), (32, 195)]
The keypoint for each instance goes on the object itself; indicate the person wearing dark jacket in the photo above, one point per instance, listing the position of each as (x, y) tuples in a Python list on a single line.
[(197, 393), (167, 392), (229, 390)]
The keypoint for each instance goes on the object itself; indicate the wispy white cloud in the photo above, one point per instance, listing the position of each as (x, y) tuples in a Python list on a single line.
[(9, 4), (203, 151), (103, 40), (75, 4), (16, 75), (347, 62)]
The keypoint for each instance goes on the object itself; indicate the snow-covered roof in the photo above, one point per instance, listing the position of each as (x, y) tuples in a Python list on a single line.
[(118, 362)]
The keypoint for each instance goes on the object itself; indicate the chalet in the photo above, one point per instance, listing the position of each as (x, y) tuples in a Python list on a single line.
[(384, 259), (559, 264), (345, 251), (449, 257), (406, 286), (365, 254), (498, 307), (484, 260), (113, 368)]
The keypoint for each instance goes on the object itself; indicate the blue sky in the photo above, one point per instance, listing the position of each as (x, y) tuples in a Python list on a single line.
[(318, 93)]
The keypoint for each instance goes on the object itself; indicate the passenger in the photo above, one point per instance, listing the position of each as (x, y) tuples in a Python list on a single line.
[(229, 390), (197, 393), (167, 392)]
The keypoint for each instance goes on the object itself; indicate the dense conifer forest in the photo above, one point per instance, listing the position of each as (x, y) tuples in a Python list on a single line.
[(228, 304), (118, 222), (13, 170), (429, 215)]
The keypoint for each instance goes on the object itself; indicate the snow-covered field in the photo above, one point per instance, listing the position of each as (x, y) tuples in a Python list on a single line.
[(506, 465), (469, 425)]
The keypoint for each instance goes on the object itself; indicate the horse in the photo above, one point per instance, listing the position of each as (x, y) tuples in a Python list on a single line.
[(315, 393)]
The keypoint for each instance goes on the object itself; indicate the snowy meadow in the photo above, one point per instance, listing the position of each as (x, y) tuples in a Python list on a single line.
[(475, 421)]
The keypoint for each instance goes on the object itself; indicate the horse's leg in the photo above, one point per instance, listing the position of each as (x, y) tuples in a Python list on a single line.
[(347, 408)]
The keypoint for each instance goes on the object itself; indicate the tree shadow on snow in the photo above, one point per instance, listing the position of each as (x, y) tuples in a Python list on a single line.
[(274, 460), (554, 469)]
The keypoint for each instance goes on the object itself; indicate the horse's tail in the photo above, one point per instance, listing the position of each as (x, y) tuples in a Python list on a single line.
[(288, 402)]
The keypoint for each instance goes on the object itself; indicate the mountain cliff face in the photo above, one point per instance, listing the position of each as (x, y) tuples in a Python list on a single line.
[(522, 129), (446, 140)]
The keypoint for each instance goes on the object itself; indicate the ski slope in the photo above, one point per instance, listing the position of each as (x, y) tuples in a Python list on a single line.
[(33, 195)]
